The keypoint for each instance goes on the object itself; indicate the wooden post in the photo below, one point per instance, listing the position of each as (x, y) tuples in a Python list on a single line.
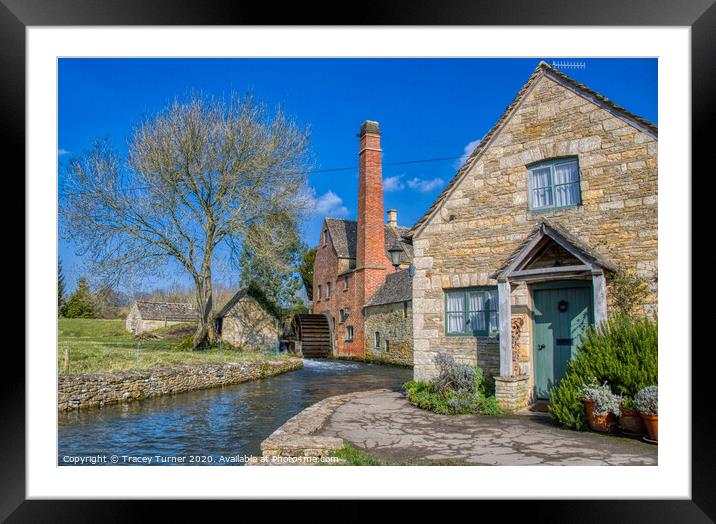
[(599, 283), (66, 364), (505, 312)]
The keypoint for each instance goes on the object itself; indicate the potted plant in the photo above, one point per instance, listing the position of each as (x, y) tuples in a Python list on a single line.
[(602, 407), (630, 421), (647, 402)]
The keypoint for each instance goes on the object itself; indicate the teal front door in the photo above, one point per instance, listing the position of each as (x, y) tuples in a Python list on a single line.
[(561, 312)]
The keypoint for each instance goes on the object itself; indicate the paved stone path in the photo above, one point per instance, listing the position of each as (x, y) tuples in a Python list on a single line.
[(389, 428)]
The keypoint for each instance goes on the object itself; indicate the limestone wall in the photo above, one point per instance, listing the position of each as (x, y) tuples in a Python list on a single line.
[(486, 216), (151, 325), (512, 393), (87, 390), (248, 327), (397, 330)]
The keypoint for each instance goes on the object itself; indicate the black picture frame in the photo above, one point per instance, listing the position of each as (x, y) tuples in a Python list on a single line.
[(699, 15)]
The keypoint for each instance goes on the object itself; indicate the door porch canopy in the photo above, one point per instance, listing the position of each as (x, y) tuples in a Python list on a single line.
[(548, 253)]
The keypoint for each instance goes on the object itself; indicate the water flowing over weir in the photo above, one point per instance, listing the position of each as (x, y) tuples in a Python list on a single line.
[(213, 423)]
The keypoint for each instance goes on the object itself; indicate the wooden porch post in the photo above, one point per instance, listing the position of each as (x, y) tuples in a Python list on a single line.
[(599, 282), (505, 312)]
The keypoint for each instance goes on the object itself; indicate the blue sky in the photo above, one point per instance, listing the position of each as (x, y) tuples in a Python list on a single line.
[(427, 108)]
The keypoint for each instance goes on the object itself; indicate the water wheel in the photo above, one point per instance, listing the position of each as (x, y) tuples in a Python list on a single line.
[(314, 332)]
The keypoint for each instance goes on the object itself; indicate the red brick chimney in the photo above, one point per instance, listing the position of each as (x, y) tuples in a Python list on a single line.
[(370, 248)]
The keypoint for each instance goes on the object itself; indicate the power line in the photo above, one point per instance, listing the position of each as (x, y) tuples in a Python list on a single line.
[(351, 168), (402, 163)]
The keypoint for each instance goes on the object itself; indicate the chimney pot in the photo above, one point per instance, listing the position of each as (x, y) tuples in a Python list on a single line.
[(393, 217), (369, 126)]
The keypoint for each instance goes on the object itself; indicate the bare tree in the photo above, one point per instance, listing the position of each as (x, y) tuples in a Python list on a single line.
[(198, 175)]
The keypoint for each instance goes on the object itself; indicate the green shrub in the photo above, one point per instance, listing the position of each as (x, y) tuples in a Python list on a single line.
[(488, 406), (628, 293), (458, 389), (622, 352), (628, 403)]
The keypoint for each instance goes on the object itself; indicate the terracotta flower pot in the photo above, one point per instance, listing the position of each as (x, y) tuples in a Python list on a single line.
[(631, 422), (601, 423), (652, 426)]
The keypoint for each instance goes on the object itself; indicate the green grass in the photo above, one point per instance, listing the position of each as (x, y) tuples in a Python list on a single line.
[(356, 457), (105, 345)]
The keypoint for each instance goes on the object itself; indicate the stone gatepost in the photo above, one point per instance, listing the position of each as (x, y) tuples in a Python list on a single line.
[(512, 392)]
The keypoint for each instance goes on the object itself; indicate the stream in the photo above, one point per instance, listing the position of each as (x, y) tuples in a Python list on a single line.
[(209, 427)]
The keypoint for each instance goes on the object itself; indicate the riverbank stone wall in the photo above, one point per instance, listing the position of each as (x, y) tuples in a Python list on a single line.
[(89, 390)]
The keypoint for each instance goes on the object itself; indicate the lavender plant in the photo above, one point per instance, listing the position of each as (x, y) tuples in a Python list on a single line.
[(605, 401), (647, 400), (453, 377)]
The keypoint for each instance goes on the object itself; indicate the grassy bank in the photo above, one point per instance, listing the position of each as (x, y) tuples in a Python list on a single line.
[(356, 457), (105, 345)]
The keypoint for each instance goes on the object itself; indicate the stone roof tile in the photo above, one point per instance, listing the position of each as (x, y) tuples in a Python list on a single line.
[(173, 311), (398, 287), (344, 236)]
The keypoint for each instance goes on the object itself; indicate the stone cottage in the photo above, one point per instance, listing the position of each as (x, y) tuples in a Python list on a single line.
[(514, 258), (147, 316), (247, 323), (354, 263)]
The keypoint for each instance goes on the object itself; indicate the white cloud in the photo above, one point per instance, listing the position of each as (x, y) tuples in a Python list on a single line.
[(466, 152), (61, 152), (327, 204), (425, 186), (393, 183)]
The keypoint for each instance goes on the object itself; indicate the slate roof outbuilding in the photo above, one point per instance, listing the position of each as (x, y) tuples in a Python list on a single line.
[(173, 311), (398, 287), (241, 293)]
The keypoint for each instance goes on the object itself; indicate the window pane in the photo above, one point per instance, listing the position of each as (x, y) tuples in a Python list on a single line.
[(494, 325), (566, 173), (541, 183), (566, 179), (456, 322), (477, 300), (491, 302), (541, 177), (477, 322), (542, 197), (456, 302)]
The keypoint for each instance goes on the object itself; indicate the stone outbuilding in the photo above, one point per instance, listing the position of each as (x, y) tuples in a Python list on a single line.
[(513, 260), (248, 323), (388, 321), (147, 316)]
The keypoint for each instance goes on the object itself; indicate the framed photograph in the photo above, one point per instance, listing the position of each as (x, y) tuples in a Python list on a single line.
[(416, 254)]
